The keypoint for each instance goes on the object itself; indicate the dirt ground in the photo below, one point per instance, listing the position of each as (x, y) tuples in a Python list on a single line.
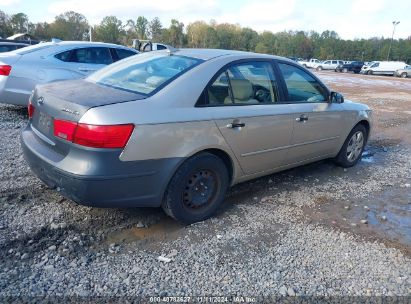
[(388, 212)]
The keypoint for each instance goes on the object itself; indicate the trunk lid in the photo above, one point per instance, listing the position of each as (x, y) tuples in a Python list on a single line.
[(70, 100)]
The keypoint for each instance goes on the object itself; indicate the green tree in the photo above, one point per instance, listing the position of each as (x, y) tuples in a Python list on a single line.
[(5, 28), (155, 29), (70, 26), (19, 23), (110, 30), (176, 33), (142, 27)]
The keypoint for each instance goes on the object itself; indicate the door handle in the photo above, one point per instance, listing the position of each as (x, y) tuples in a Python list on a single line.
[(302, 118), (236, 124)]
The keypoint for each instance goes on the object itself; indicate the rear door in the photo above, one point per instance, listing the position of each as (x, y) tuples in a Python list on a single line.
[(317, 123), (244, 99), (85, 61)]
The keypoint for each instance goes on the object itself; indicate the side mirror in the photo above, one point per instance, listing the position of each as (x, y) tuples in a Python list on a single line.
[(336, 97)]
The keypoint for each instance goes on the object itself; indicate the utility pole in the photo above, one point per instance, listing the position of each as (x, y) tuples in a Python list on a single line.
[(394, 23), (90, 33)]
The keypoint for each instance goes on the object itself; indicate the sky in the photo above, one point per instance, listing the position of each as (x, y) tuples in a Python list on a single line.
[(351, 19)]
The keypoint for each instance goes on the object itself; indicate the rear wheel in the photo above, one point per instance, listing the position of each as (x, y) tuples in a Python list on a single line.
[(197, 189), (404, 75), (353, 147)]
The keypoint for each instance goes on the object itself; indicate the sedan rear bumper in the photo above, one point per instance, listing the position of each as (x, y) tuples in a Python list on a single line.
[(113, 183)]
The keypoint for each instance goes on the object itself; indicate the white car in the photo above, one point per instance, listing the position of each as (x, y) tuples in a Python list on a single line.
[(328, 65), (21, 70), (383, 68)]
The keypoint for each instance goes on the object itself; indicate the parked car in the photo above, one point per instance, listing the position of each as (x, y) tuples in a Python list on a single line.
[(11, 46), (383, 67), (309, 63), (354, 66), (404, 73), (22, 69), (176, 130), (328, 65)]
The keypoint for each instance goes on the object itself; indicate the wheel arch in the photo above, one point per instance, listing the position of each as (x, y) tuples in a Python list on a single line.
[(225, 157), (366, 125)]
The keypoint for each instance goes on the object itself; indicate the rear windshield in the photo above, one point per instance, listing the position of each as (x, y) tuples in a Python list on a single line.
[(32, 48), (144, 73)]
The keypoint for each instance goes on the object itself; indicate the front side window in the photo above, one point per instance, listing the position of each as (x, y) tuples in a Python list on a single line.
[(144, 73), (301, 86), (246, 83), (93, 55)]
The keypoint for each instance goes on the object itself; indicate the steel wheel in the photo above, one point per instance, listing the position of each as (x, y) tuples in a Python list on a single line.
[(201, 189), (355, 146)]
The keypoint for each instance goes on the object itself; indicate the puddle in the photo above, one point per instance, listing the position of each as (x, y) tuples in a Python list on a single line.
[(388, 216), (165, 229), (367, 157)]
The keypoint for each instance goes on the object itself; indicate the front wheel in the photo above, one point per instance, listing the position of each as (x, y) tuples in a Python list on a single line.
[(319, 68), (404, 75), (345, 70), (197, 189), (369, 72), (353, 147)]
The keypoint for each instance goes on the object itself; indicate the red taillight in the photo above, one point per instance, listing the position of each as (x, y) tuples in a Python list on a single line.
[(113, 136), (30, 109), (103, 136), (5, 70), (64, 129)]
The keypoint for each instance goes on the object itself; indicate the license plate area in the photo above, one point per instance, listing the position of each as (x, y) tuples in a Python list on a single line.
[(44, 123)]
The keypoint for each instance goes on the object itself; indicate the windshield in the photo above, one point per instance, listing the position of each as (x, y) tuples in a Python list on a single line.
[(144, 73)]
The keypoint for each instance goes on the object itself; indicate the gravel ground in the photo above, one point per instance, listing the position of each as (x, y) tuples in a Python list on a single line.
[(262, 242)]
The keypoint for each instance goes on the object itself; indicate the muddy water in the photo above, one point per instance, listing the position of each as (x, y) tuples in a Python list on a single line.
[(384, 216), (164, 230)]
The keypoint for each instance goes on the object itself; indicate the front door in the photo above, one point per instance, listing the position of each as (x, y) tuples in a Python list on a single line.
[(317, 123), (245, 108)]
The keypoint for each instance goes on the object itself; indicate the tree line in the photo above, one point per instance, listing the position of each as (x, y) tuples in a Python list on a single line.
[(199, 34)]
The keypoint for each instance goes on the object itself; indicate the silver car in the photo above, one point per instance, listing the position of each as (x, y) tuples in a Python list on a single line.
[(328, 65), (403, 73), (176, 129), (21, 70)]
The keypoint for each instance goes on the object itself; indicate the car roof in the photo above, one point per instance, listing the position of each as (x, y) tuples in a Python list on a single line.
[(84, 43), (207, 54)]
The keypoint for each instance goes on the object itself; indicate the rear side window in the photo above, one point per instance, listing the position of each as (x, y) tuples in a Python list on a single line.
[(246, 83), (92, 55), (123, 53), (64, 56), (144, 73), (301, 86)]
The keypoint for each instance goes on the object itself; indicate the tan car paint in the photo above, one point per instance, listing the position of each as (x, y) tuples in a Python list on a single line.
[(271, 140)]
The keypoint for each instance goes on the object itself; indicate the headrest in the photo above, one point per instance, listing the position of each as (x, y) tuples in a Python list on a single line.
[(242, 89)]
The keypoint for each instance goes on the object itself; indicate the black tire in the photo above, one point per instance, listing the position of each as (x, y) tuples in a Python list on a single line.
[(369, 72), (197, 189), (344, 158), (404, 75), (345, 70), (319, 68)]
